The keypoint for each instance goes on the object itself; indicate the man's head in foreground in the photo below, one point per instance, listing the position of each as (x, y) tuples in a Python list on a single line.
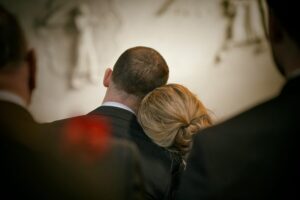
[(17, 63), (137, 72)]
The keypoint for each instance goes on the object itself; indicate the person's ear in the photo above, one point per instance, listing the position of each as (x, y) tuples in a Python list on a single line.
[(31, 61), (107, 77), (276, 31)]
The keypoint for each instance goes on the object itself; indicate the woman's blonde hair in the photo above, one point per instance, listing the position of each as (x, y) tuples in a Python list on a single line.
[(170, 115)]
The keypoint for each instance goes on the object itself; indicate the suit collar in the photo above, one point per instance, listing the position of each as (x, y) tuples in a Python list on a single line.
[(295, 74), (292, 86), (114, 112), (125, 115), (18, 110)]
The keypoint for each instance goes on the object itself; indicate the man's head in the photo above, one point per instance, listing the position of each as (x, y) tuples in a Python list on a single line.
[(17, 64), (285, 34), (137, 72)]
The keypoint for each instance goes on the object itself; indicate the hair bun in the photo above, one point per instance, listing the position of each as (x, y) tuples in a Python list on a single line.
[(182, 141)]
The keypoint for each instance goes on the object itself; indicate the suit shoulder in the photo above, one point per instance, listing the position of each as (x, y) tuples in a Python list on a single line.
[(273, 118)]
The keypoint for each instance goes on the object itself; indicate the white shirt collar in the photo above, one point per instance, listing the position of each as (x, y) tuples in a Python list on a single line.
[(12, 97), (118, 105)]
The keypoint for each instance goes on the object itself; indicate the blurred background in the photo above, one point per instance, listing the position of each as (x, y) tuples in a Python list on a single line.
[(217, 48)]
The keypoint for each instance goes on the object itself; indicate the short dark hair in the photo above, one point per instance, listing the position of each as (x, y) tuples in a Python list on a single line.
[(12, 39), (288, 13), (139, 70)]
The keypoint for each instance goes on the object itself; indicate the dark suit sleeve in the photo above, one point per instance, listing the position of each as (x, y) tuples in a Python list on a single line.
[(135, 180), (114, 175), (193, 182)]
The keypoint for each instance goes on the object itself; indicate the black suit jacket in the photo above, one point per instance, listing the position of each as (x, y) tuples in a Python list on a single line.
[(33, 167), (252, 156), (160, 168)]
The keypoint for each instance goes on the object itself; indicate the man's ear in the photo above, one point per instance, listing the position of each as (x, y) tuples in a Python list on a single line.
[(31, 61), (107, 77)]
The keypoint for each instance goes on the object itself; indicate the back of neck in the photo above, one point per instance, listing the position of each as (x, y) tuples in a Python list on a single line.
[(129, 100)]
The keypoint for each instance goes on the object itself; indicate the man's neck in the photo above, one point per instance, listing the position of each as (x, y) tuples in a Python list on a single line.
[(130, 101), (130, 105)]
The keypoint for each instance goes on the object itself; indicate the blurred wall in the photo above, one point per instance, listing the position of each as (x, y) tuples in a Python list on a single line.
[(188, 33)]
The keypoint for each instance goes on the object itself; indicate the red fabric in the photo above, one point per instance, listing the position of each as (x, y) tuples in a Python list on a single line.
[(87, 137)]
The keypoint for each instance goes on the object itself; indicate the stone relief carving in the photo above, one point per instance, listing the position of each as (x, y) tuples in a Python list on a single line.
[(86, 63), (75, 38), (241, 13), (164, 7)]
